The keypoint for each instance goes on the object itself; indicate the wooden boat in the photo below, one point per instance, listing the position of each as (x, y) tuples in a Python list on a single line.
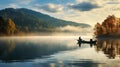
[(88, 42)]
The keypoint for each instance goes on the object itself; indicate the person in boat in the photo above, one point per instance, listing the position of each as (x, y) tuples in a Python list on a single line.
[(91, 40), (80, 38), (79, 41)]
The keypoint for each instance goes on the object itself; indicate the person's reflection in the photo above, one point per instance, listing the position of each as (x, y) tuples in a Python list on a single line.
[(91, 44), (6, 47), (110, 47)]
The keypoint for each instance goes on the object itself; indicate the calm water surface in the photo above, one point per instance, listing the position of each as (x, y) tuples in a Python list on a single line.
[(58, 51)]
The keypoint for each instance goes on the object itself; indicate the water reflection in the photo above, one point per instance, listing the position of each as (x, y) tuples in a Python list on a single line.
[(6, 48), (87, 63), (110, 47), (58, 52), (22, 49)]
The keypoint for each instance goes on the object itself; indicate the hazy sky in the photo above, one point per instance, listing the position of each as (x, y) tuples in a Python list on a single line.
[(81, 11)]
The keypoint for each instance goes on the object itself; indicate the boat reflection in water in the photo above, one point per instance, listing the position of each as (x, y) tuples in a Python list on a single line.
[(53, 51), (110, 47), (81, 41)]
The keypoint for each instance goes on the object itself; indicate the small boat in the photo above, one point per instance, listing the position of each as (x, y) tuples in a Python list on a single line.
[(83, 41), (80, 41)]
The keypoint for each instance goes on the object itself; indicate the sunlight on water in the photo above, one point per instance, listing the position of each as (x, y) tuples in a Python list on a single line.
[(57, 51)]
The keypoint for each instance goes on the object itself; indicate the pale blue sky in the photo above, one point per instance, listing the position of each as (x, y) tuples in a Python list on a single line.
[(81, 11)]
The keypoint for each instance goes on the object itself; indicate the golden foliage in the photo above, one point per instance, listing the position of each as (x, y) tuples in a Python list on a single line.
[(7, 26), (110, 26)]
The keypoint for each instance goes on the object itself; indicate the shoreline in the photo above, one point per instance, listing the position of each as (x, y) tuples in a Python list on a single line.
[(108, 37)]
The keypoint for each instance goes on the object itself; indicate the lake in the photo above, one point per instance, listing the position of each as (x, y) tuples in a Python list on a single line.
[(58, 51)]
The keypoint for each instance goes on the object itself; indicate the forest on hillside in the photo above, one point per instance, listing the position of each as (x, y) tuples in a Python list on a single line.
[(25, 21), (7, 26)]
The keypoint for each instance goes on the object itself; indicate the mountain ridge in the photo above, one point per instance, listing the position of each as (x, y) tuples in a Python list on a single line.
[(35, 21)]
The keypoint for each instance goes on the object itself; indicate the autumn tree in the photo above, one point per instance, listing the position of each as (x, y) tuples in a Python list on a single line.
[(7, 26), (110, 26), (98, 29)]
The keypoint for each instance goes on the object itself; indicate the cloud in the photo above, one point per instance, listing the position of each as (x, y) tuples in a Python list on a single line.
[(100, 2), (12, 6), (25, 2), (115, 2), (84, 6), (50, 7)]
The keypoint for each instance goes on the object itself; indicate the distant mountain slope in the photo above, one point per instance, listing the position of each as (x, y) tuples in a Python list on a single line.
[(36, 21)]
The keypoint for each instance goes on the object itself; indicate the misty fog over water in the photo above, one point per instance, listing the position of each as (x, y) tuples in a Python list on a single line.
[(57, 51)]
